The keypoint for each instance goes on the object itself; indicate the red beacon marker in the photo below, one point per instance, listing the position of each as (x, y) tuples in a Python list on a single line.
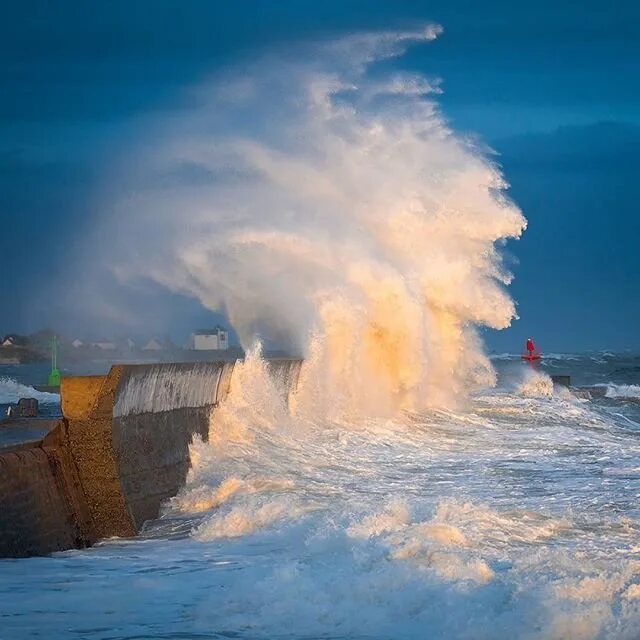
[(532, 353)]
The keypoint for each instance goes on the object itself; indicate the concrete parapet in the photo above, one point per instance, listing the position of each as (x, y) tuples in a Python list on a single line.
[(158, 409)]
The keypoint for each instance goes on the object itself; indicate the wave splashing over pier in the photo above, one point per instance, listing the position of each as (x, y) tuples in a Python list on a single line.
[(512, 518), (516, 517), (324, 204)]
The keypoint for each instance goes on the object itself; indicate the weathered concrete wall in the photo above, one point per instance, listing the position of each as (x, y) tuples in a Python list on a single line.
[(120, 452), (152, 453), (158, 409), (41, 506), (87, 406)]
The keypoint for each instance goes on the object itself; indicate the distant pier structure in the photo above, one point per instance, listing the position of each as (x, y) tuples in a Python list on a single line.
[(561, 380)]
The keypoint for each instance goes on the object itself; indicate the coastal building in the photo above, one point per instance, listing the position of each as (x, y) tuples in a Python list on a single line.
[(13, 340), (105, 345), (77, 343), (210, 339), (153, 345)]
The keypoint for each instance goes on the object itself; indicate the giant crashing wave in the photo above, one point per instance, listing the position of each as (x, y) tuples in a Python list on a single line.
[(320, 200)]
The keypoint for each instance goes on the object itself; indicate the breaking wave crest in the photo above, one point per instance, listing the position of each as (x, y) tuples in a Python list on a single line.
[(536, 384), (11, 391), (631, 391), (439, 520), (325, 206)]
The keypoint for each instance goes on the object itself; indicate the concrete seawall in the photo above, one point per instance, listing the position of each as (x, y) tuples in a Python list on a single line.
[(42, 508), (120, 451)]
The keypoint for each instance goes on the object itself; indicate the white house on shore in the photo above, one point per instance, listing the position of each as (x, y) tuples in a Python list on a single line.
[(153, 345), (210, 339), (105, 345)]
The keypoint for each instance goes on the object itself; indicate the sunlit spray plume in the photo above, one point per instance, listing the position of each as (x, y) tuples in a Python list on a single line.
[(325, 205)]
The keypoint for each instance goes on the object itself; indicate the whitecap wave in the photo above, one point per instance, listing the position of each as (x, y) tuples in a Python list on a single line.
[(536, 385), (243, 519), (11, 391), (631, 391)]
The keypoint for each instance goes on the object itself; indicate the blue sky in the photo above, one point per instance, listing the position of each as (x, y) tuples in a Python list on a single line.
[(553, 87)]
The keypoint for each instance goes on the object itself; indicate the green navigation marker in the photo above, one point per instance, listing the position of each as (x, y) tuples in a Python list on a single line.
[(54, 377)]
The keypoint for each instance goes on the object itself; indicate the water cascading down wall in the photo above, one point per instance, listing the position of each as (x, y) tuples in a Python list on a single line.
[(120, 451)]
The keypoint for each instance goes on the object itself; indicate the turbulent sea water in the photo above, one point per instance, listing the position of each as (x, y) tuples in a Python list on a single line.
[(514, 516)]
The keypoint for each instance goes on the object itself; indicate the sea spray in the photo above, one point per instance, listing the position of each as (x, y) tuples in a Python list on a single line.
[(516, 517), (324, 204), (11, 391), (536, 384), (464, 517)]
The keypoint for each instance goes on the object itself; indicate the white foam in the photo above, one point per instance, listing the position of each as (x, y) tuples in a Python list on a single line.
[(204, 498), (536, 385), (244, 519), (162, 387), (623, 391), (394, 517), (11, 391)]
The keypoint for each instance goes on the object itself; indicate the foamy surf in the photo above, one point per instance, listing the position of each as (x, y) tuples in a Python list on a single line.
[(492, 522), (630, 391), (513, 517), (536, 384), (11, 391)]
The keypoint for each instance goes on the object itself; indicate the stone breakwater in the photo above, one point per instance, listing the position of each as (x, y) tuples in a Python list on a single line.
[(120, 450)]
